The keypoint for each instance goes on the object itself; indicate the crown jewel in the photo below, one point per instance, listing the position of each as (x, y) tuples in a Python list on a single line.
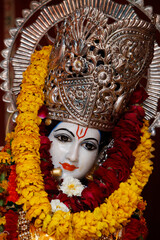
[(95, 66)]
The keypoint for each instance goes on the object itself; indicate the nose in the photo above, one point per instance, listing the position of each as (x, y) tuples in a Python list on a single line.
[(72, 154)]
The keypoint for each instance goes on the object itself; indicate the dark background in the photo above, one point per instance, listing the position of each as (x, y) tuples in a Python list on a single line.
[(151, 192)]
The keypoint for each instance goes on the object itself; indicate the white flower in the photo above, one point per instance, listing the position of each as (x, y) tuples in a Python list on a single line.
[(56, 205), (71, 186)]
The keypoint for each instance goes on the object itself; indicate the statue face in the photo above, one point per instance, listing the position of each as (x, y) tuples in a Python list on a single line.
[(74, 148)]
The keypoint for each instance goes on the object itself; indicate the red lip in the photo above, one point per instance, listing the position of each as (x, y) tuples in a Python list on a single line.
[(68, 167)]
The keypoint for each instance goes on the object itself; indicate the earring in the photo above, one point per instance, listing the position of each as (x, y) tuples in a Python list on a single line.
[(89, 175), (101, 159), (56, 172)]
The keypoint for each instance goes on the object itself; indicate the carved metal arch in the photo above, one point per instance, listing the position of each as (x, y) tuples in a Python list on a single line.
[(30, 36), (48, 17)]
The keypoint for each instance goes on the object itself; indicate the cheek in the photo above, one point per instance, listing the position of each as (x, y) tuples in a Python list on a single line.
[(87, 160), (58, 152)]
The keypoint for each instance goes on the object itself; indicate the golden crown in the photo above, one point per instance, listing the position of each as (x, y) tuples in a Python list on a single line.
[(95, 66)]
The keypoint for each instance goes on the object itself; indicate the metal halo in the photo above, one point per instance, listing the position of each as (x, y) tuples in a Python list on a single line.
[(16, 62)]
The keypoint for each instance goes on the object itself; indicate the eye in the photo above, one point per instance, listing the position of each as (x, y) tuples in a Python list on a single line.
[(89, 146), (63, 138)]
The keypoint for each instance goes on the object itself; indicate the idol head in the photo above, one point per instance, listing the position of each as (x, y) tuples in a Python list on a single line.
[(74, 149)]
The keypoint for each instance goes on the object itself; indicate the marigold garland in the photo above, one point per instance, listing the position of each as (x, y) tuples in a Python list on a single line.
[(105, 219), (13, 196), (3, 220), (5, 165), (5, 157), (115, 169), (116, 210), (26, 143)]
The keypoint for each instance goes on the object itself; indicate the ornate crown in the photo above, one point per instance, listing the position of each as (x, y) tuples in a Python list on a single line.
[(98, 62), (95, 66)]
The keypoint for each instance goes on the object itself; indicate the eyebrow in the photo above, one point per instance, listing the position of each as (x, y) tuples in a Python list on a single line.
[(91, 139), (65, 130)]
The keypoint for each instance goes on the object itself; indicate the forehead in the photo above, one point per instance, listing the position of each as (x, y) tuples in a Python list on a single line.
[(78, 130)]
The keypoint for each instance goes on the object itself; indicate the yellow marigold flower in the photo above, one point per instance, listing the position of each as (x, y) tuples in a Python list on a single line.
[(142, 205), (89, 218), (28, 118), (38, 182), (4, 184), (33, 78), (30, 92), (28, 156), (98, 214), (31, 89), (42, 216), (30, 76), (38, 198), (2, 220), (3, 236), (44, 53), (30, 129), (38, 223), (59, 224), (28, 168), (26, 205), (103, 208), (33, 68), (9, 137), (28, 97), (39, 208), (5, 157), (82, 225), (31, 189), (27, 186), (33, 106), (33, 135), (148, 143), (46, 221), (24, 143), (23, 175)]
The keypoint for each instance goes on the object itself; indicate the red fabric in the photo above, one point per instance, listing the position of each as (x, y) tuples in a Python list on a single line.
[(11, 225)]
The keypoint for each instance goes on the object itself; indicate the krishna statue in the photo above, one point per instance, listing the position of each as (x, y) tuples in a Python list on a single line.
[(82, 86)]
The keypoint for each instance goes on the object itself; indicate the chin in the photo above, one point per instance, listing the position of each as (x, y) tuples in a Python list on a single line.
[(72, 174)]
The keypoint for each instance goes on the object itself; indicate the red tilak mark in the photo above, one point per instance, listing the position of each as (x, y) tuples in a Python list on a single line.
[(79, 135), (81, 131)]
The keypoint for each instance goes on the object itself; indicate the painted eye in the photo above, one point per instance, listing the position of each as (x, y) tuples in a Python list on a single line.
[(89, 146), (63, 138)]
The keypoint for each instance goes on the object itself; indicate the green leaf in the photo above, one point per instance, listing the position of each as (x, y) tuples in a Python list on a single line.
[(43, 159), (141, 238), (11, 141), (13, 206), (1, 189), (1, 202), (2, 177), (9, 203), (1, 228), (9, 151)]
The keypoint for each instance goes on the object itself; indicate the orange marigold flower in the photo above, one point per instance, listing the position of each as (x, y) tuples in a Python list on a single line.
[(142, 205), (5, 157), (13, 195)]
